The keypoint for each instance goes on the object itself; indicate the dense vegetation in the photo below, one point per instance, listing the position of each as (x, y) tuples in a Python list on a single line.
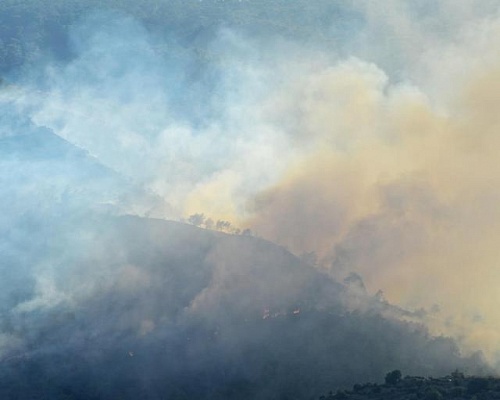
[(454, 386)]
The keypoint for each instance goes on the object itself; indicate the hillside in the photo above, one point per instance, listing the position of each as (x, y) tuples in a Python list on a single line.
[(99, 306)]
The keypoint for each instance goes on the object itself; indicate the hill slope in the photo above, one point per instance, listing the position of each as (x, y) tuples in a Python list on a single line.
[(107, 307)]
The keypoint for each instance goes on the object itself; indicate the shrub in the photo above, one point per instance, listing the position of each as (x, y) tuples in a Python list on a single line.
[(433, 394), (457, 391), (477, 385)]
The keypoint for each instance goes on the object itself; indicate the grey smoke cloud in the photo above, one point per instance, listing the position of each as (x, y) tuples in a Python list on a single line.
[(329, 129)]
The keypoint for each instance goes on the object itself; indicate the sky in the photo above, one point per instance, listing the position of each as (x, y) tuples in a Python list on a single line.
[(362, 136)]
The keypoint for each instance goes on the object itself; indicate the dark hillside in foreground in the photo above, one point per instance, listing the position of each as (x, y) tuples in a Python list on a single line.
[(131, 308), (454, 386)]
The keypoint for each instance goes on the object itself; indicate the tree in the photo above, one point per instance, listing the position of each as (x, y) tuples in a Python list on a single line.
[(196, 219), (393, 377), (209, 223), (222, 225)]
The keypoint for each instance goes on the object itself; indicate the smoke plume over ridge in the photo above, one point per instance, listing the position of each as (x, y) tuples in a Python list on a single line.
[(365, 133)]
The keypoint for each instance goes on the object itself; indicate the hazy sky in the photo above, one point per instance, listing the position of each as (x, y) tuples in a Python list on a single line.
[(366, 132)]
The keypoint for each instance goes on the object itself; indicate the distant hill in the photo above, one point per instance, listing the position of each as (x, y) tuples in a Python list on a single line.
[(40, 171)]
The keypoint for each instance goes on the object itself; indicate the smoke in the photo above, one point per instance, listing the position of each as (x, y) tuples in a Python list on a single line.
[(399, 186), (364, 134)]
